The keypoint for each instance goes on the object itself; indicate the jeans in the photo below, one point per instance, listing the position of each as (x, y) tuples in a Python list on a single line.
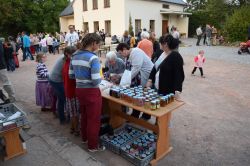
[(11, 65), (27, 53), (59, 91), (37, 48), (208, 40), (198, 40)]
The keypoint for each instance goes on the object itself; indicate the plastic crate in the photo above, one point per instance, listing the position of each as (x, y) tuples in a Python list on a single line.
[(133, 154), (8, 110), (121, 136)]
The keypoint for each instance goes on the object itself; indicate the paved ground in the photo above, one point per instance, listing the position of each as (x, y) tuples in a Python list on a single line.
[(211, 129)]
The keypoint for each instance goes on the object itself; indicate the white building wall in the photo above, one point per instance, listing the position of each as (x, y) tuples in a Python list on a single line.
[(145, 11), (149, 10), (78, 17), (115, 13), (65, 22), (118, 14)]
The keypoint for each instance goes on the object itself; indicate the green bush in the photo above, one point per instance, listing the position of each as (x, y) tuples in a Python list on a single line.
[(236, 26)]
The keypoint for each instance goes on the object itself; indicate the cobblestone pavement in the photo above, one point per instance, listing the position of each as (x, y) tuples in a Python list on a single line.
[(212, 128)]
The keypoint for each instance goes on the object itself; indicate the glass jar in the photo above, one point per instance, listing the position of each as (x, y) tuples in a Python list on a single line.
[(157, 104), (162, 102), (153, 105), (147, 104)]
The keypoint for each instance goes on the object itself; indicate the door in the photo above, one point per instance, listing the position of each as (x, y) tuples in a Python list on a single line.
[(108, 27), (165, 27), (96, 26)]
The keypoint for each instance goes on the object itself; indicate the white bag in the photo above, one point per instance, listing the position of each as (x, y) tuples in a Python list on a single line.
[(126, 78)]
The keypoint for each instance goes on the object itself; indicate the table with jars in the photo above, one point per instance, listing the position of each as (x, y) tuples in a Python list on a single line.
[(146, 101)]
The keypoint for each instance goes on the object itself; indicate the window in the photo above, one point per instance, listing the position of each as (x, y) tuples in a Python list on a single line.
[(165, 6), (137, 26), (152, 25), (85, 5), (95, 4), (96, 26), (108, 28), (85, 27), (106, 3)]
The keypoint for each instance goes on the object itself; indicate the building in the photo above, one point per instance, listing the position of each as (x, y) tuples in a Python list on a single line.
[(113, 16)]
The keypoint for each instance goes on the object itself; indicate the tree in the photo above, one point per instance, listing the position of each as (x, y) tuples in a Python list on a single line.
[(236, 25), (130, 28), (196, 4), (30, 15)]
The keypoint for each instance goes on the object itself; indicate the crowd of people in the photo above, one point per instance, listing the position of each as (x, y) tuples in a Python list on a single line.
[(209, 34), (71, 89)]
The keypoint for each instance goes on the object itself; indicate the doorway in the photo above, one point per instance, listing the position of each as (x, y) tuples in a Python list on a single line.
[(165, 28)]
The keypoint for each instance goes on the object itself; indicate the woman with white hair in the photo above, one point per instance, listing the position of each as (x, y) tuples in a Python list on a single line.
[(145, 44), (114, 67)]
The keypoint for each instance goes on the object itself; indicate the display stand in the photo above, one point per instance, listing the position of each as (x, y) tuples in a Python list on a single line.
[(113, 107), (14, 146)]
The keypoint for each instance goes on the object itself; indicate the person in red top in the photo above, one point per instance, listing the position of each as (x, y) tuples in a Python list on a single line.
[(244, 47), (72, 104)]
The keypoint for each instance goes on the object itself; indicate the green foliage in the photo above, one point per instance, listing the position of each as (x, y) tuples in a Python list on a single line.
[(214, 12), (30, 15), (130, 28), (236, 26)]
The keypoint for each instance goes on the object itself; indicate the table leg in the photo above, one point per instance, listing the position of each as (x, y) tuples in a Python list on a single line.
[(163, 138), (13, 143), (115, 120)]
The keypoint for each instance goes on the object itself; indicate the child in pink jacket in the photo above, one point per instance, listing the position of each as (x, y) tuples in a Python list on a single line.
[(199, 61)]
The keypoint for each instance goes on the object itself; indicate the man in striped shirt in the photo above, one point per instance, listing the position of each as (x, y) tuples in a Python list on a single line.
[(85, 68)]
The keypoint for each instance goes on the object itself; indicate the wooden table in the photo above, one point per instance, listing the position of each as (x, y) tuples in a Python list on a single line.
[(14, 146), (113, 107)]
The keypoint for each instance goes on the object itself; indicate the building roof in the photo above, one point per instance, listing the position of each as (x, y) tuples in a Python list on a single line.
[(68, 10), (180, 2)]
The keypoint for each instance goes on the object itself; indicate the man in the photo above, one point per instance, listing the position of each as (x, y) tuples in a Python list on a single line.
[(176, 34), (26, 46), (208, 32), (140, 65), (4, 80), (72, 37), (115, 67), (199, 35)]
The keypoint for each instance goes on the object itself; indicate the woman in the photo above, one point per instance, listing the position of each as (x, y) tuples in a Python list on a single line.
[(85, 68), (167, 74), (72, 104)]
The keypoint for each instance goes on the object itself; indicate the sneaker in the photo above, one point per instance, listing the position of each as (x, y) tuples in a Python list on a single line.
[(99, 149)]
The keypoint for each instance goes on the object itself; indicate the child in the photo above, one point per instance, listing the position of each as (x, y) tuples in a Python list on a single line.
[(199, 61), (43, 97), (72, 104)]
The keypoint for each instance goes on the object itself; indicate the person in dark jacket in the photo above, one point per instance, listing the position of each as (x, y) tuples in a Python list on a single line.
[(167, 75), (249, 32), (9, 57), (4, 80)]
